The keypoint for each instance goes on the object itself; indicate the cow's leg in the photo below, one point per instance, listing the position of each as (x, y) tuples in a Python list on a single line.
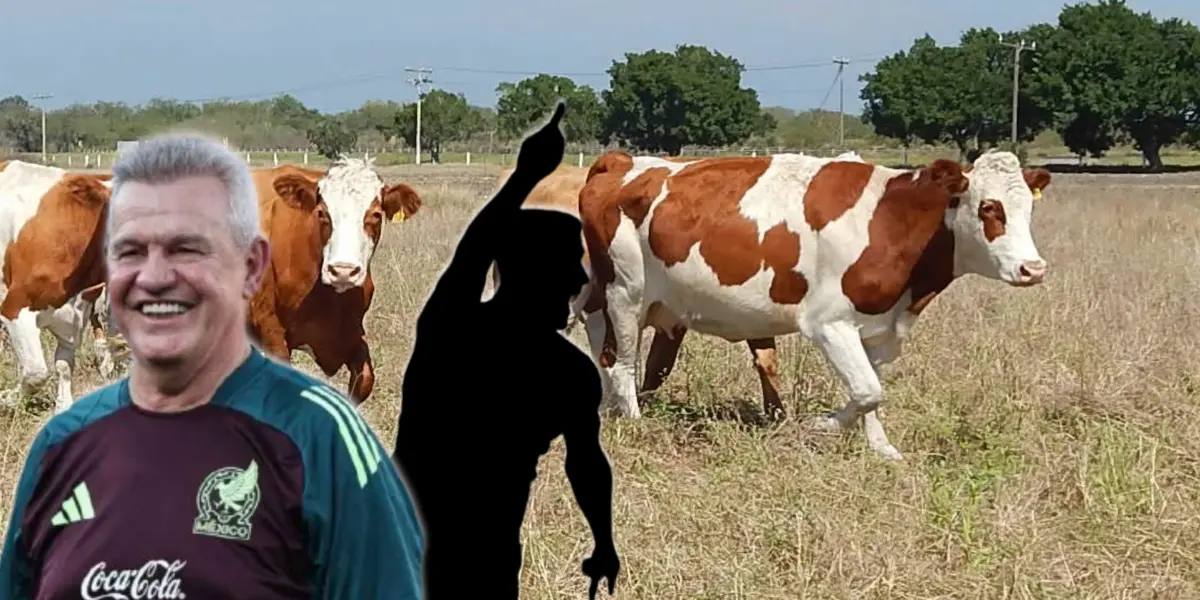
[(362, 374), (766, 362), (26, 341), (839, 341), (577, 304), (614, 343), (881, 350), (664, 349), (272, 338), (67, 323), (101, 351)]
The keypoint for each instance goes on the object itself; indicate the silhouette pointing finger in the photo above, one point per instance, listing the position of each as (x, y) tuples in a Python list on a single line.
[(542, 152)]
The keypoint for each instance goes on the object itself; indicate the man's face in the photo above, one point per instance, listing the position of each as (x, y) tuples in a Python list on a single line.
[(178, 284)]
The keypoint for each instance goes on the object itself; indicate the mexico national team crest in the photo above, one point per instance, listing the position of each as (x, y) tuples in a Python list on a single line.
[(226, 501)]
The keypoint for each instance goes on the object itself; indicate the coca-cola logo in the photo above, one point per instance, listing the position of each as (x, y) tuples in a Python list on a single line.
[(155, 580)]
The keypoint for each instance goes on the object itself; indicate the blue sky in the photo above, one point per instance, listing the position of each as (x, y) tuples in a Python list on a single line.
[(333, 55)]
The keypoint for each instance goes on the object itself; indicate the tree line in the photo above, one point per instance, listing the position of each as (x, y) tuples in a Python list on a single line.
[(1102, 76)]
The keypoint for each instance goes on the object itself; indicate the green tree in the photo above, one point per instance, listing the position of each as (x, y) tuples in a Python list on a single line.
[(19, 124), (660, 101), (376, 116), (1108, 70), (445, 117), (525, 104), (331, 137), (905, 93), (986, 67), (958, 94)]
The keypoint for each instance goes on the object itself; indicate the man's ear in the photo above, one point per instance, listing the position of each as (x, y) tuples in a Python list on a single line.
[(258, 260)]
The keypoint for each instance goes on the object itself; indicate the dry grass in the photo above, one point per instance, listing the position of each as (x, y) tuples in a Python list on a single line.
[(1051, 434)]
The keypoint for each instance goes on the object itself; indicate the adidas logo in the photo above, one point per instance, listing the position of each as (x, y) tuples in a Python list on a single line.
[(76, 508)]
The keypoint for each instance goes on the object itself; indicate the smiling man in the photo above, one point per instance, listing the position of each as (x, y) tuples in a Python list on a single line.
[(210, 471)]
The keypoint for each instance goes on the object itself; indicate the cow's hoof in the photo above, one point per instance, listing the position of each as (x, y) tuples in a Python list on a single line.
[(889, 452), (826, 424)]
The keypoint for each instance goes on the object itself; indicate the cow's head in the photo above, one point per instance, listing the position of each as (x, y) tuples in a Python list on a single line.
[(991, 220), (347, 208)]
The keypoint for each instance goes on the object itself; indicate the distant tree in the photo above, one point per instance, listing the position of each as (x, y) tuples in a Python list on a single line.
[(1108, 70), (287, 111), (445, 117), (331, 137), (958, 94), (986, 68), (660, 101), (377, 116), (525, 104), (903, 92), (19, 125)]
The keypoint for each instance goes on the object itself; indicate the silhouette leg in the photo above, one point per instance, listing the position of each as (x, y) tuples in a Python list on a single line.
[(664, 349), (766, 362)]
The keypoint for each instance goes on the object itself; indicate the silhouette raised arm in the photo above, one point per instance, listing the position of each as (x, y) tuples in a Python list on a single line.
[(461, 285)]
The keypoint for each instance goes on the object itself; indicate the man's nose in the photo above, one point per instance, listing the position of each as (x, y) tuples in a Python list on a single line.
[(156, 272)]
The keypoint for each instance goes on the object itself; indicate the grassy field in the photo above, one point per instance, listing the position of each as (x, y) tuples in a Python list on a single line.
[(1050, 434)]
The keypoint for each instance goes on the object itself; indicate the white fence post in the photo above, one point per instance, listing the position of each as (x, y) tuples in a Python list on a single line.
[(580, 159), (275, 156), (306, 157), (468, 158)]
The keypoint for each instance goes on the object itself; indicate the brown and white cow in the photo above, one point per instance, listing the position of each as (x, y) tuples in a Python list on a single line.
[(558, 191), (323, 228), (747, 249), (51, 224)]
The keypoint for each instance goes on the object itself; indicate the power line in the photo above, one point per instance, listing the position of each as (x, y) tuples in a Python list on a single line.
[(385, 75), (43, 107), (841, 63), (420, 79), (365, 78), (1017, 72)]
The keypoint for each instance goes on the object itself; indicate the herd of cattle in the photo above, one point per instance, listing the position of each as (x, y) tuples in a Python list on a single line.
[(743, 248)]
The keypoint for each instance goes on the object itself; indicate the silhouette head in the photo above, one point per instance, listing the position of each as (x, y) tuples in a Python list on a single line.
[(540, 266)]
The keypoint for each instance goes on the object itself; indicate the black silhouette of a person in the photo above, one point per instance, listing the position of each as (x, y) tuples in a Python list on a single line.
[(491, 384)]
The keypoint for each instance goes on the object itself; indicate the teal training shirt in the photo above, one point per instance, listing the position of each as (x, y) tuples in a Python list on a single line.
[(277, 488)]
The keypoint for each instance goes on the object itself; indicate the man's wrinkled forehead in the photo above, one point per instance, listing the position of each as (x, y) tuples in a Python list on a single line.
[(147, 219)]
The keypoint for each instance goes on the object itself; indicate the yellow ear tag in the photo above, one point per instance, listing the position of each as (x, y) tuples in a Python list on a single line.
[(400, 216), (1037, 194)]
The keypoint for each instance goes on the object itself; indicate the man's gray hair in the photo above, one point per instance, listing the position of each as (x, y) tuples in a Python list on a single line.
[(172, 156)]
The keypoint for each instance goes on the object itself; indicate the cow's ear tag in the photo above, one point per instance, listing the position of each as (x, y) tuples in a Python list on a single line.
[(1037, 193)]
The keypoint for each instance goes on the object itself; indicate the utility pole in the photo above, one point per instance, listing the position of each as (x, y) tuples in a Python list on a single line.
[(841, 63), (1017, 49), (43, 97), (420, 80)]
